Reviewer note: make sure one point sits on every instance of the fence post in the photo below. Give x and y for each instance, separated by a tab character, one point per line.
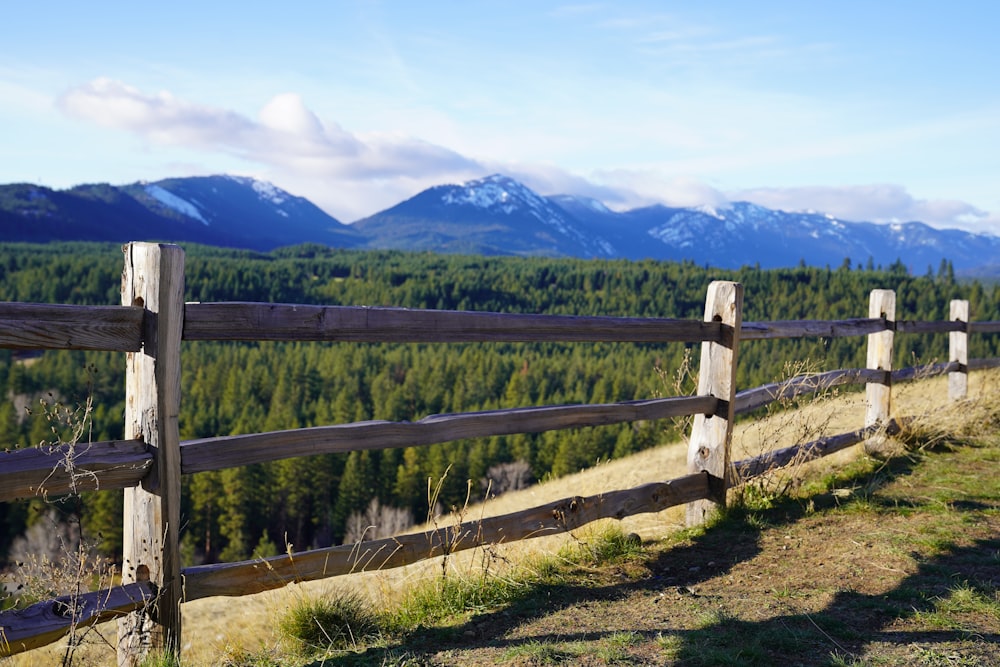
153	277
881	304
711	435
958	350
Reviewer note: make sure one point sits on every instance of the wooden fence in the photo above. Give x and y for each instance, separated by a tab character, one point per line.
148	463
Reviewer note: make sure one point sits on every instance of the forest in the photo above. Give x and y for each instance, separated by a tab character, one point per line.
232	388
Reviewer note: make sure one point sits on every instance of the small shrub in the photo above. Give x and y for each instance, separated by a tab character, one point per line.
336	620
600	545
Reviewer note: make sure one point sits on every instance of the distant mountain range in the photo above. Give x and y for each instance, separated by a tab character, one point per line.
494	215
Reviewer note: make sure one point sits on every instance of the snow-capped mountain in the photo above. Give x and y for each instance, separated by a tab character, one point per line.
746	234
215	210
492	215
497	215
256	214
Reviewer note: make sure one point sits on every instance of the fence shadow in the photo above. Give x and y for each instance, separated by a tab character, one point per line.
849	623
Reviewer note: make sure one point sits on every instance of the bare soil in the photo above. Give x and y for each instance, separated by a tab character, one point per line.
895	563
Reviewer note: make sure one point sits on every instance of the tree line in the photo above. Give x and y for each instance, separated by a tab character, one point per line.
232	388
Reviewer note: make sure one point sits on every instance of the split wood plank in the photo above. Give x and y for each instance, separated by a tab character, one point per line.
236	450
37	326
292	322
247	577
56	470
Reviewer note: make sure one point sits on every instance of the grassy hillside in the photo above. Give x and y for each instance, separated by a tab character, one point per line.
858	562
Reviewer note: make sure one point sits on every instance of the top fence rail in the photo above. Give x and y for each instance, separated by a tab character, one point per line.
32	326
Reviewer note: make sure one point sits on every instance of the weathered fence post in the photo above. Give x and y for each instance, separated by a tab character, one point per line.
881	304
153	277
958	350
708	449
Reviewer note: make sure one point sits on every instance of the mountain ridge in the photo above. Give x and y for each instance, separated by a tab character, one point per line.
495	215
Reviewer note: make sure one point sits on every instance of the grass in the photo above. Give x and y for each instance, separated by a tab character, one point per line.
858	566
874	562
337	620
458	597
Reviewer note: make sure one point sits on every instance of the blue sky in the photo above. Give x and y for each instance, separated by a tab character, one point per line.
865	110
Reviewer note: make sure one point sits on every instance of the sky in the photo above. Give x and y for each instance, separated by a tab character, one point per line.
880	111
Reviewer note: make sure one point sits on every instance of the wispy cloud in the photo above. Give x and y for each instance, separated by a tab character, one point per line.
287	142
285	133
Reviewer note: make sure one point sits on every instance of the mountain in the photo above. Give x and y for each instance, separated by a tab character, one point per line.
215	210
495	215
747	234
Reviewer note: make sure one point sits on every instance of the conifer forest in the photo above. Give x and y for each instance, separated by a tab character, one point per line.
231	388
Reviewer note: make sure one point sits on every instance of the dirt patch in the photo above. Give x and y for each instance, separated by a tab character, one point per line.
891	564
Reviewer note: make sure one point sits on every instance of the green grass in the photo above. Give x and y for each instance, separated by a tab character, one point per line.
458	596
602	544
336	620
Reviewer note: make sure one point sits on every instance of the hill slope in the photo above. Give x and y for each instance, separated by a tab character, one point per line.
884	563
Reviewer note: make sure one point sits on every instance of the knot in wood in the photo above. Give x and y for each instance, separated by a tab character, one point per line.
704	452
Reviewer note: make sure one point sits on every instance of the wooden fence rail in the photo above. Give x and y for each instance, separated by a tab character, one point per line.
148	464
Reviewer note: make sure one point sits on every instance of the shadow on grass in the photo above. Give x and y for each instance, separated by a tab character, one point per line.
851	622
854	621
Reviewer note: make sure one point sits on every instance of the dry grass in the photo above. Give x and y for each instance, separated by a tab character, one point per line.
213	624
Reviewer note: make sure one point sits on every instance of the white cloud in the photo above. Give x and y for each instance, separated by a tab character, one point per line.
353	175
286	139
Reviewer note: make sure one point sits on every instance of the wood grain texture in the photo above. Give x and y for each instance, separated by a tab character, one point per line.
807	328
749	400
36	471
922	372
231	451
289	322
560	516
711	434
958	351
45	622
154	278
36	326
881	304
747	469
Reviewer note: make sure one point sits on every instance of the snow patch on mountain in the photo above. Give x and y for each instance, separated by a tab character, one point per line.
270	192
172	201
710	210
502	194
265	191
493	192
